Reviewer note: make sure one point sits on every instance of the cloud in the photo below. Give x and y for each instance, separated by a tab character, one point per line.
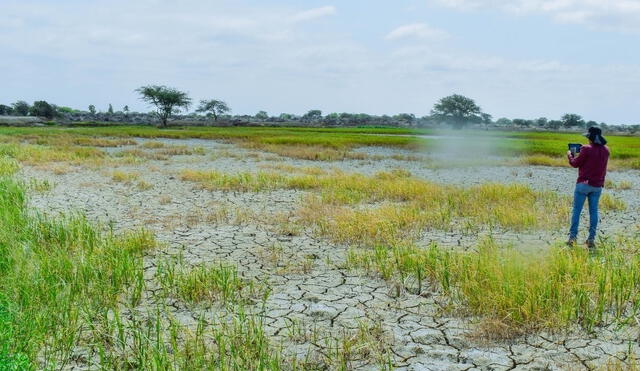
417	31
310	14
257	57
618	15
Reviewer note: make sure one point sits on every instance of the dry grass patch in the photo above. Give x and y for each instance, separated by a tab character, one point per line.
152	145
307	152
612	203
164	199
124	177
144	185
180	151
392	205
542	160
102	142
622	185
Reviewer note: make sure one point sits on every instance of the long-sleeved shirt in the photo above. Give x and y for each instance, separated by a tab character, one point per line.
592	164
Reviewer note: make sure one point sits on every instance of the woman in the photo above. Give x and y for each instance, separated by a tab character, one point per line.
592	169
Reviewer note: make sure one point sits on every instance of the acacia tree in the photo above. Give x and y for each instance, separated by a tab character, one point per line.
21	108
215	107
457	110
166	100
570	120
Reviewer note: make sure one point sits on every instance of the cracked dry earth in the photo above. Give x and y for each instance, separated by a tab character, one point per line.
311	291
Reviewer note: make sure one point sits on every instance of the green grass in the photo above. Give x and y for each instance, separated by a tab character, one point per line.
56	275
325	144
208	283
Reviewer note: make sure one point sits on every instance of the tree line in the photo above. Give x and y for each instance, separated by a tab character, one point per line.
455	110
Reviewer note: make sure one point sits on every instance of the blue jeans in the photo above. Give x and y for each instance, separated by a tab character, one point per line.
582	192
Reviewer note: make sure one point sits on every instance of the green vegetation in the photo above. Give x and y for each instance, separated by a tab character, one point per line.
58	276
64	285
517	292
534	148
213	283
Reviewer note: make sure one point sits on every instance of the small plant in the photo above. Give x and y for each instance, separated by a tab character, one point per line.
124	177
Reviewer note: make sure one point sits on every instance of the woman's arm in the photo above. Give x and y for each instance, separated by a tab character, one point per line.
580	160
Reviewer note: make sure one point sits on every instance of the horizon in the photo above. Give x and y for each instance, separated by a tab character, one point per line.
527	59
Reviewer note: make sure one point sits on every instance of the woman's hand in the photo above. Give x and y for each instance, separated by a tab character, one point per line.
569	153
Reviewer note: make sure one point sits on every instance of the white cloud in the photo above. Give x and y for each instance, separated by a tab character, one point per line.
310	14
621	15
417	31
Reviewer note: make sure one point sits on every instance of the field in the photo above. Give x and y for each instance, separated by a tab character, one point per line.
309	248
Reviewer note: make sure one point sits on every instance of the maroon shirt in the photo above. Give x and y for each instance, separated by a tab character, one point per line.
592	164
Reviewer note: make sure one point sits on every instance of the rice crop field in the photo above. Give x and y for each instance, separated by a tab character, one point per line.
311	249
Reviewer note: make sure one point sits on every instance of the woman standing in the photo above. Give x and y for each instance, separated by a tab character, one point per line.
592	169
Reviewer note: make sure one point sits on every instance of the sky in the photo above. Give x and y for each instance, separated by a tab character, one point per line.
515	58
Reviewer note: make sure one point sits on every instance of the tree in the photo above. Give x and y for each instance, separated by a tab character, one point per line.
110	110
166	100
92	109
403	118
521	123
312	116
125	109
570	120
486	118
542	122
5	110
21	108
457	110
503	121
262	116
214	107
43	109
286	117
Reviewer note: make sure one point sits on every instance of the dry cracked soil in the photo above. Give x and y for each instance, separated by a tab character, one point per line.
313	297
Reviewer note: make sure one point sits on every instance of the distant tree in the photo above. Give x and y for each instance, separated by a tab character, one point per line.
5	110
21	108
590	123
521	123
503	121
286	117
405	118
64	109
92	109
110	109
486	118
43	109
457	110
554	124
314	115
332	119
166	100
541	122
570	120
125	109
214	107
262	116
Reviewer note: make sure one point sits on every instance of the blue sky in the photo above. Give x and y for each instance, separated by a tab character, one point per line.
516	58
